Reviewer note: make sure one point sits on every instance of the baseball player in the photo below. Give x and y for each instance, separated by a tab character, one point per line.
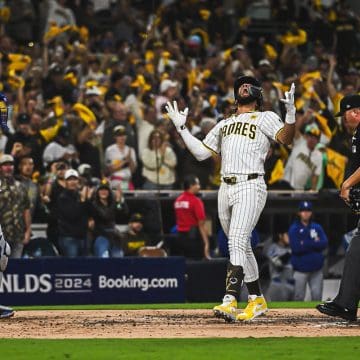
346	301
5	250
243	141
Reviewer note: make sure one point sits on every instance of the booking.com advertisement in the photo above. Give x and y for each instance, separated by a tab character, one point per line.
57	281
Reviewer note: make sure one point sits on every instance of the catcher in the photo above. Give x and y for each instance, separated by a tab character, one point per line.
5	250
346	301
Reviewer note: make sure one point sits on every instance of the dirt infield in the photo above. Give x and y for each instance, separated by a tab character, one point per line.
169	324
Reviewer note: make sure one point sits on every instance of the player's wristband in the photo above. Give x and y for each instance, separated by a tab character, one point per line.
290	118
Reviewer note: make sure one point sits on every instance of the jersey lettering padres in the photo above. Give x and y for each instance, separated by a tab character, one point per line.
243	141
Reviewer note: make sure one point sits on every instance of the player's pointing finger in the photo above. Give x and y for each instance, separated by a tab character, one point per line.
175	106
168	107
292	88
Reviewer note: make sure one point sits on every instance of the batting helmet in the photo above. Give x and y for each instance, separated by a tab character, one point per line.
255	89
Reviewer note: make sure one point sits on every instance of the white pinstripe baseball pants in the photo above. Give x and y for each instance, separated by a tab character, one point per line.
240	206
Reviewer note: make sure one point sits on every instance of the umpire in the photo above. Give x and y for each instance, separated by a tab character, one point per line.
346	301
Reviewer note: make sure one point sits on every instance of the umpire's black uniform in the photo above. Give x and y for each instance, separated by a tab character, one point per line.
346	301
349	292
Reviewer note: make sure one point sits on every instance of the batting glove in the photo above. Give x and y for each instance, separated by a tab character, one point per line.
177	117
289	105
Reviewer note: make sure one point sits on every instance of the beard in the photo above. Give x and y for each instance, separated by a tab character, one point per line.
246	100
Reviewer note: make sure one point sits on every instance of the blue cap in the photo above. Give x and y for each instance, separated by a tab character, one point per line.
305	206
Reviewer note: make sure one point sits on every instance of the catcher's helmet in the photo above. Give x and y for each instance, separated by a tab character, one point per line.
255	88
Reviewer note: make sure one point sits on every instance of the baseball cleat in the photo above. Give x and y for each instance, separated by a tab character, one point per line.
256	306
6	312
332	309
227	310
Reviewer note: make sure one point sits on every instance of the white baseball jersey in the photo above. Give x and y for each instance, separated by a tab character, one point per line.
302	165
244	141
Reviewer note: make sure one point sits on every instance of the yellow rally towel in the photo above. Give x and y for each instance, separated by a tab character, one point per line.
91	83
313	75
226	54
192	76
140	82
280	86
18	62
335	167
149	55
49	133
284	153
149	67
58	106
299	103
204	14
55	30
278	172
270	52
323	123
298	39
213	101
15	81
84	33
336	102
85	114
205	74
71	78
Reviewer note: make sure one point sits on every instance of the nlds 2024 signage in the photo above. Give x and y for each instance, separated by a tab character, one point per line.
52	281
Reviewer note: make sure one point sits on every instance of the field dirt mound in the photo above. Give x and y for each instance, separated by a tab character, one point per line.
58	324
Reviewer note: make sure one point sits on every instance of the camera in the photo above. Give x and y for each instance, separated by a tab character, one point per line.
85	172
61	166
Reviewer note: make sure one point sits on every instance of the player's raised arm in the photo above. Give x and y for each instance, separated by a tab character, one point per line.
287	133
178	118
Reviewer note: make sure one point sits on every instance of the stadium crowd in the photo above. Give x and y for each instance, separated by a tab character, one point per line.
88	81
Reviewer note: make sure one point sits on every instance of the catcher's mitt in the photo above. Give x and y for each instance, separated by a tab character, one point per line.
354	200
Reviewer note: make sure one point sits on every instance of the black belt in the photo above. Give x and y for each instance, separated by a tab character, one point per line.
231	180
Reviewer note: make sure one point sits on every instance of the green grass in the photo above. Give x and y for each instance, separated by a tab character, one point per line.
208	349
272	305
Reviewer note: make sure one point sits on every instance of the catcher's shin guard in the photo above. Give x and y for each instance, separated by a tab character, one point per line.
5	251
